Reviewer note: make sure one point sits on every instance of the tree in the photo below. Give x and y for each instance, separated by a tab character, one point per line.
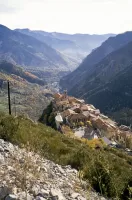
89	123
129	143
81	123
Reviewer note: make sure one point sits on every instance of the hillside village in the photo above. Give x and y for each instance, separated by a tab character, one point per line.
87	122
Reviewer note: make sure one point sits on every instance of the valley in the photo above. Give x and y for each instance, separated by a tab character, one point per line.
35	61
88	122
65	100
75	46
104	78
47	53
51	62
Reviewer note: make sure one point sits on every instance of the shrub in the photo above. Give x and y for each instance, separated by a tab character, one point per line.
48	116
8	127
81	123
127	193
108	171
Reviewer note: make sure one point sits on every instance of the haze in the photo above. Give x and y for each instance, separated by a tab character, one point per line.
69	16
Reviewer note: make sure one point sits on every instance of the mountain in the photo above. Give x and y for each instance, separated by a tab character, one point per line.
31	93
27	51
77	78
54	189
10	68
75	46
109	88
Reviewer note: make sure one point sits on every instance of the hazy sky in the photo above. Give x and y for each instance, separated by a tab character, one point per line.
70	16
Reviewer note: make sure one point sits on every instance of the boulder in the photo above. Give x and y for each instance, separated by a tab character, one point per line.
56	194
4	191
75	195
11	197
24	195
2	159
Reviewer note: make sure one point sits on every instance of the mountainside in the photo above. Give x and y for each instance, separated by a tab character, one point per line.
39	168
75	46
9	68
40	182
88	66
109	88
29	94
116	94
27	51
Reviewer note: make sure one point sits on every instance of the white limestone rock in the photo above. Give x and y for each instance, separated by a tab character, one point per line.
39	177
2	159
57	194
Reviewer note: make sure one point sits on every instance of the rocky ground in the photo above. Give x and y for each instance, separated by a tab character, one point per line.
24	175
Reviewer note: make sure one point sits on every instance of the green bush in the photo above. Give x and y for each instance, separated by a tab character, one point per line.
107	170
48	116
8	127
127	193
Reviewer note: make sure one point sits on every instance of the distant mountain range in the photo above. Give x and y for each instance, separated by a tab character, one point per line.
75	46
43	53
78	77
27	51
104	77
110	86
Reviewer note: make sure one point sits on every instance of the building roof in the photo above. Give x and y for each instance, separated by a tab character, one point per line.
63	102
90	106
79	100
103	116
125	134
75	106
77	116
71	98
106	140
86	113
57	95
70	111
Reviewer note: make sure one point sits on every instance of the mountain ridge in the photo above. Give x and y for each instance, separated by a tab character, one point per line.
87	67
9	68
109	87
25	50
75	45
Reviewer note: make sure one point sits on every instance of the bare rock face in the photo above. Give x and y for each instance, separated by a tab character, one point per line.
25	175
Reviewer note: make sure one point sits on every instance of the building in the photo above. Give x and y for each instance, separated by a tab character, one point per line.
58	120
62	105
77	117
57	96
124	138
91	133
67	113
106	141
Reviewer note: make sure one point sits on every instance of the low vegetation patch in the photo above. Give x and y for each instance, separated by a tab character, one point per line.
109	172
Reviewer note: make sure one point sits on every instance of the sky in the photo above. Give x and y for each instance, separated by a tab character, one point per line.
68	16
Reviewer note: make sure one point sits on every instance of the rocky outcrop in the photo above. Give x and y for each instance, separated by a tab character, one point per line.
25	175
